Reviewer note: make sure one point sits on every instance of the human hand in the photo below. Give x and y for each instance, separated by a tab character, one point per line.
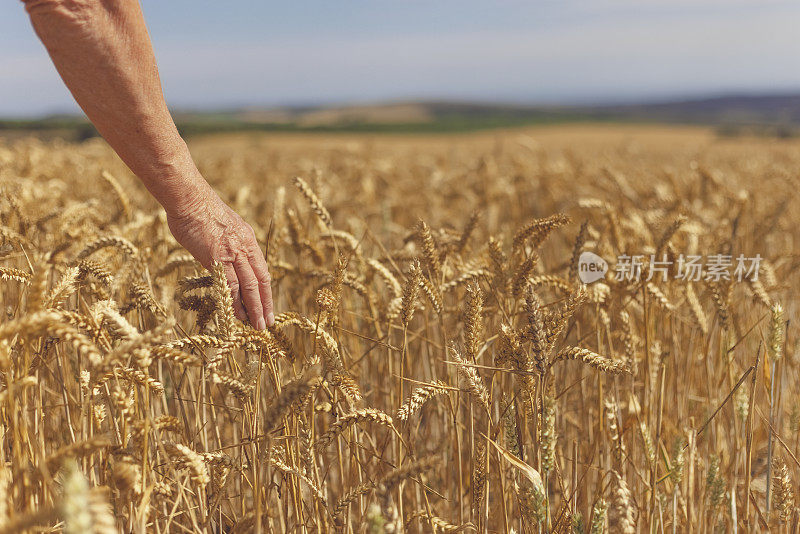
211	231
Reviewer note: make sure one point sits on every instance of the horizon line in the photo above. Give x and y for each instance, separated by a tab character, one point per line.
574	103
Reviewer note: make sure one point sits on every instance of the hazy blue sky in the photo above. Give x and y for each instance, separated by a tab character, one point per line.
215	54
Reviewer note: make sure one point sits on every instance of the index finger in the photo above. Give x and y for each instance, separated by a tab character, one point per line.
259	265
251	295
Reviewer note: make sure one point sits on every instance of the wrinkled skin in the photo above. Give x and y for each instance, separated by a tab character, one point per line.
214	232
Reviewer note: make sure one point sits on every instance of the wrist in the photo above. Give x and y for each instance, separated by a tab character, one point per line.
187	196
178	186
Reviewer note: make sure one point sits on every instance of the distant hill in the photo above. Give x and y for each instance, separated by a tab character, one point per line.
751	109
772	114
732	109
421	116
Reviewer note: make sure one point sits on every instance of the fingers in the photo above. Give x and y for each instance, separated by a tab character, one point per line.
233	284
259	266
251	294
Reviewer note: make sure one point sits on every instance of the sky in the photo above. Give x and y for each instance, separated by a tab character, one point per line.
215	55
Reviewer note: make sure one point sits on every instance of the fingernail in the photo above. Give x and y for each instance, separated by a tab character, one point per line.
260	324
270	318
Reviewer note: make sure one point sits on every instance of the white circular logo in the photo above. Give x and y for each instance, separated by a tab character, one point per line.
591	267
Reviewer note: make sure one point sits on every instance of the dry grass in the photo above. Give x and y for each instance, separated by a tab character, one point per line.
436	364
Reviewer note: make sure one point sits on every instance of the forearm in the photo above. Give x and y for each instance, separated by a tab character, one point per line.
103	53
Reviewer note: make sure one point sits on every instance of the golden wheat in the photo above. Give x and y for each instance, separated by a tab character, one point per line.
436	363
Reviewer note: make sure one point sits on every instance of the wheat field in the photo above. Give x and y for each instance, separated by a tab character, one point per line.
437	365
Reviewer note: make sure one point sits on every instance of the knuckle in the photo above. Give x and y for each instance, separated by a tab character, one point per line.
226	253
253	250
250	285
